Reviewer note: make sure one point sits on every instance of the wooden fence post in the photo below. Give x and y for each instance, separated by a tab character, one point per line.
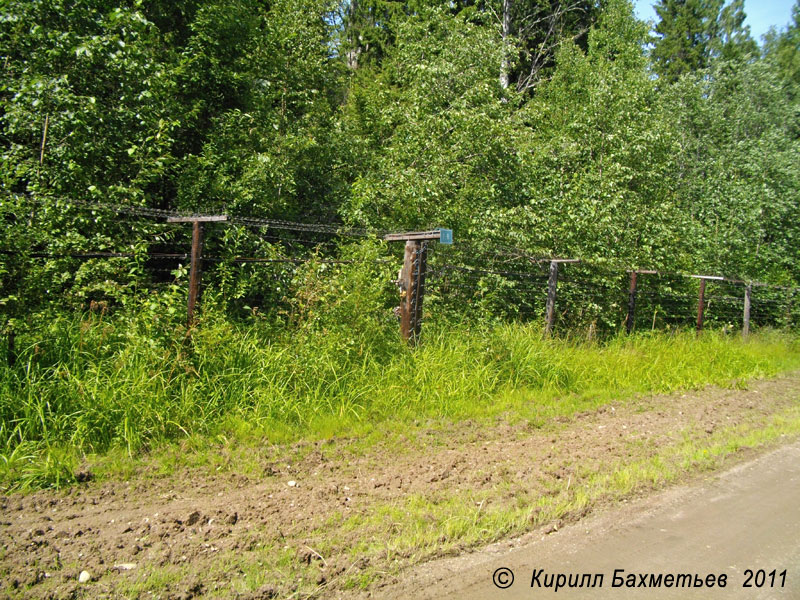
411	279
406	283
630	319
550	312
196	257
701	305
748	289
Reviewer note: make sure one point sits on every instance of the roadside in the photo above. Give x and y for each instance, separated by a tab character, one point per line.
738	530
322	518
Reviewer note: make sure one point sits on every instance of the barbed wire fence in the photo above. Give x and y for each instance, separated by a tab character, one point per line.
570	295
254	264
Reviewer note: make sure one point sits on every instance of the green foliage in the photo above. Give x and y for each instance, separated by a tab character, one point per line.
84	106
784	49
367	30
345	302
95	383
444	136
392	115
599	153
737	170
693	33
266	148
542	134
733	41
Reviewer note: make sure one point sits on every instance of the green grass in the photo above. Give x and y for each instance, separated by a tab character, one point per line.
393	535
418	528
92	386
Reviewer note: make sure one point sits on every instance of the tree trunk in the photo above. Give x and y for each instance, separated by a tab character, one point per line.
505	65
354	50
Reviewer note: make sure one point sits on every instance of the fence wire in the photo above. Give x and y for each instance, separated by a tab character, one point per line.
268	266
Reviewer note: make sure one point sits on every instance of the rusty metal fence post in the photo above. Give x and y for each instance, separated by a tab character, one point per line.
420	272
701	305
194	272
630	319
550	308
196	258
11	353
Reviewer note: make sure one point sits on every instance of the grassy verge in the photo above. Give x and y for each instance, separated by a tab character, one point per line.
352	551
424	527
93	386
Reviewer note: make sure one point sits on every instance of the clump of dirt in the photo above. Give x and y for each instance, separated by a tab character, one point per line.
199	530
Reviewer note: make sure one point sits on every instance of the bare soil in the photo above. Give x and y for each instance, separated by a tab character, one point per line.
189	534
730	523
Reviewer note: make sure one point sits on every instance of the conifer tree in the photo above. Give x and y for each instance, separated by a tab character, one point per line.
784	47
693	33
686	29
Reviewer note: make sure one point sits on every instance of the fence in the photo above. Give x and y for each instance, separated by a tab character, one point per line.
253	262
573	294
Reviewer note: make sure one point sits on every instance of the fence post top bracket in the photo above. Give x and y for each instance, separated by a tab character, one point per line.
198	219
441	235
712	277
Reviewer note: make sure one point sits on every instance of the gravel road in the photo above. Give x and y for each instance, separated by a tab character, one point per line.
746	518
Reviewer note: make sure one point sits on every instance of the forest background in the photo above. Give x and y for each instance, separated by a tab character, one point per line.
539	129
563	129
560	129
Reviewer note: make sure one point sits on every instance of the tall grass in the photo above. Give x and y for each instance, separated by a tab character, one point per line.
88	384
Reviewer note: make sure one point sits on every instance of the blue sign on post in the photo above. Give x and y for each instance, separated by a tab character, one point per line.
445	235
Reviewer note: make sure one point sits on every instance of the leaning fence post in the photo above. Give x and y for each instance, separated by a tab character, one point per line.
701	305
630	319
748	289
196	257
550	311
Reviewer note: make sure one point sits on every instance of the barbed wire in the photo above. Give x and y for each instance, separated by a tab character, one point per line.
135	210
338	230
144	211
504	279
500	252
92	255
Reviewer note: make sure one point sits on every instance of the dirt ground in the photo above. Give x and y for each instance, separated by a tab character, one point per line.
732	524
188	534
